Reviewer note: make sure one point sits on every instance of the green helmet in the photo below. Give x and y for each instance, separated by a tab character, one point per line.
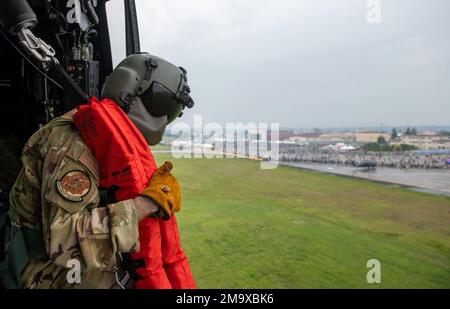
160	85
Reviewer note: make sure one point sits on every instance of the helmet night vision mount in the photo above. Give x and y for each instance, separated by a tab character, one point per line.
160	85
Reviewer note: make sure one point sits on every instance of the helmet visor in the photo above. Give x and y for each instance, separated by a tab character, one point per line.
160	101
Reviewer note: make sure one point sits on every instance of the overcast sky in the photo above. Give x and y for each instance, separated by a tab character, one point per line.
307	63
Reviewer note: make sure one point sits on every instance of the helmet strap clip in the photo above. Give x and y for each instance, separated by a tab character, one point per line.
127	99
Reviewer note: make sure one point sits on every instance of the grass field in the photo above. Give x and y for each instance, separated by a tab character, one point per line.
243	227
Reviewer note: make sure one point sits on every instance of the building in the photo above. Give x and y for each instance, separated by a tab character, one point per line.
338	136
371	136
422	141
303	138
284	135
427	133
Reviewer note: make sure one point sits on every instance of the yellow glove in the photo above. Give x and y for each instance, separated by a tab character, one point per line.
164	190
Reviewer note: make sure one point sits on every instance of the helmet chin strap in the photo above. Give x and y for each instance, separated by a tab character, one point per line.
152	128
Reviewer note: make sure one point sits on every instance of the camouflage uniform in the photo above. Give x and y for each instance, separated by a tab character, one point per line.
57	193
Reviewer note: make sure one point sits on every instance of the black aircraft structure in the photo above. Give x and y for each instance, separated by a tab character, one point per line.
54	55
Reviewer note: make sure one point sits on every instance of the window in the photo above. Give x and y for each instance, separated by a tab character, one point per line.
115	10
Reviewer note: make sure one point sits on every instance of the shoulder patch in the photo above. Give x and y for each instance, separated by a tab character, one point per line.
74	185
88	160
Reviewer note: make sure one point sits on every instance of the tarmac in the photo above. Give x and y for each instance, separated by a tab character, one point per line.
435	181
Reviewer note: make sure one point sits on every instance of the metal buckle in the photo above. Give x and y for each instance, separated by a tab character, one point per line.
121	283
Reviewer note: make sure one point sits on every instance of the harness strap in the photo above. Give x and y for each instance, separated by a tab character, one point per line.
125	270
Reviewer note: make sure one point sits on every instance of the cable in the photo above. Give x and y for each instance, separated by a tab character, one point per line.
57	70
28	60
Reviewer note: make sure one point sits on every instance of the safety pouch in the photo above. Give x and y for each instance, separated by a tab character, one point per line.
18	245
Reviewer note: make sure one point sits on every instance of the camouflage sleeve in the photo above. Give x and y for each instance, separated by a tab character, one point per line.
25	196
24	200
75	226
124	226
93	234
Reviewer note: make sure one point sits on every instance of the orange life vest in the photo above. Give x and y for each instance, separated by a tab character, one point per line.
125	161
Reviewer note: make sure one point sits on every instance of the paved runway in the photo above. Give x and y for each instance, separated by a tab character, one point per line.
432	181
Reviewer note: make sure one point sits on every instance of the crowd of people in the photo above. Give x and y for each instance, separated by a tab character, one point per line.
407	159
